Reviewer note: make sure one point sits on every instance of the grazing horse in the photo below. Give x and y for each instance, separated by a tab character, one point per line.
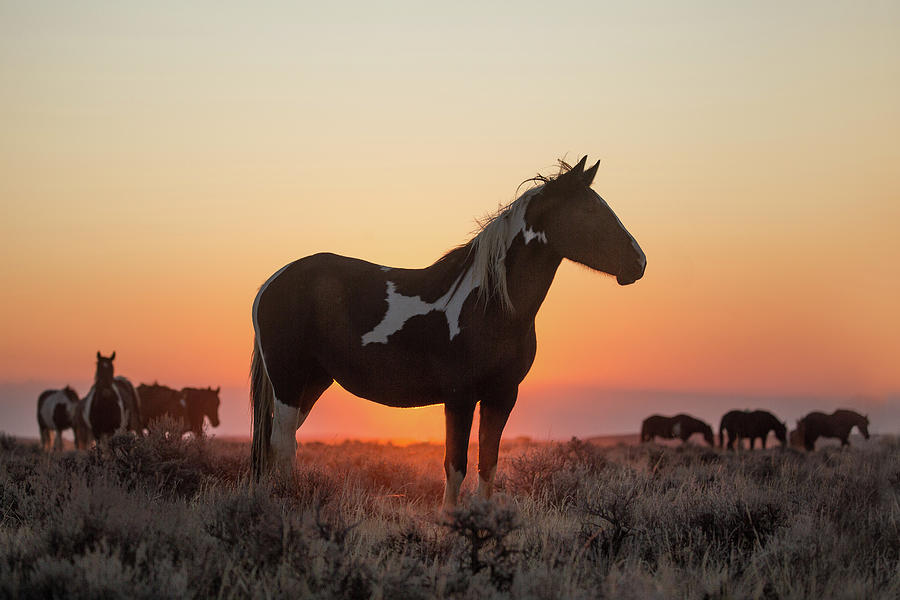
159	401
455	333
742	424
836	425
111	405
680	426
55	409
201	402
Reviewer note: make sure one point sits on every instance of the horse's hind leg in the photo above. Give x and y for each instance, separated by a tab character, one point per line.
58	441
45	438
295	395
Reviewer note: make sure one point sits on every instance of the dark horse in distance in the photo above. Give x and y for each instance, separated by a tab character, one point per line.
112	405
55	412
836	425
455	333
189	405
680	426
749	424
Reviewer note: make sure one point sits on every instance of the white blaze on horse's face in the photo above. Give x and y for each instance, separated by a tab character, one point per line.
505	228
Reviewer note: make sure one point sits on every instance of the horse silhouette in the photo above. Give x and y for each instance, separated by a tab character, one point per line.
111	405
836	425
189	405
200	403
740	424
680	426
456	333
158	401
55	413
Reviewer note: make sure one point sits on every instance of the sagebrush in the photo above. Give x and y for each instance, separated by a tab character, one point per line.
163	516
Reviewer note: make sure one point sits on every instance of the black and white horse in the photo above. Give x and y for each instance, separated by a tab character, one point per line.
55	411
456	333
112	405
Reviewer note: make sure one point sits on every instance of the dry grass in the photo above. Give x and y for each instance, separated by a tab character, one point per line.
166	517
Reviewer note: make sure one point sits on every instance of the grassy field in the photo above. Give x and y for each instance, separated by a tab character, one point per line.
172	518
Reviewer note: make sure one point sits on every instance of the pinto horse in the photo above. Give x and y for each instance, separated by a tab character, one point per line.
748	424
680	426
55	410
455	333
836	425
111	405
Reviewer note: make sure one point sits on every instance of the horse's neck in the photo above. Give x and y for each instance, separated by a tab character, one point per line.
530	269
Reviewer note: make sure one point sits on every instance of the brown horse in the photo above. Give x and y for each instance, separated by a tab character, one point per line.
158	401
680	426
836	425
456	333
200	403
55	410
742	424
190	405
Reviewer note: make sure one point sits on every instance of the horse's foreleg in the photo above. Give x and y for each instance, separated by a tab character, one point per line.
493	416
458	419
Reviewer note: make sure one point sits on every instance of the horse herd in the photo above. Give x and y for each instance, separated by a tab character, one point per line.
113	404
753	424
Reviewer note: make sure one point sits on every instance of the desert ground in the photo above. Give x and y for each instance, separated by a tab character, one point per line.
169	517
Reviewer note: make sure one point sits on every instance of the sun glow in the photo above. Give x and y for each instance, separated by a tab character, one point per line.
155	171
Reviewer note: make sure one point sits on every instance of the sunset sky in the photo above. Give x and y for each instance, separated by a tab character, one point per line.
158	161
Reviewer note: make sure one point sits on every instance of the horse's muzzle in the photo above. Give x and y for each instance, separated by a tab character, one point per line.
629	275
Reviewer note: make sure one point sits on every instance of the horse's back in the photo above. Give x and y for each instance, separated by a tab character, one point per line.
733	418
657	425
314	295
158	401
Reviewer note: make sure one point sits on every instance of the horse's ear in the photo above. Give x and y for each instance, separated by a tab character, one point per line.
588	176
98	355
218	389
578	170
113	357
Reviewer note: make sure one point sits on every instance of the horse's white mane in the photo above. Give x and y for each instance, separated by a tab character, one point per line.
488	248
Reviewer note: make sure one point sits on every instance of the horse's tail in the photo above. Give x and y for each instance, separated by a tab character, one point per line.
722	433
262	402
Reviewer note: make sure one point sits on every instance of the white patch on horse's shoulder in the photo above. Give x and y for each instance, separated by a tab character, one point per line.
402	308
530	235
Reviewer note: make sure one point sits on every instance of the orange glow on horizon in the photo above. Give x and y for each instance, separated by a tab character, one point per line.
153	174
